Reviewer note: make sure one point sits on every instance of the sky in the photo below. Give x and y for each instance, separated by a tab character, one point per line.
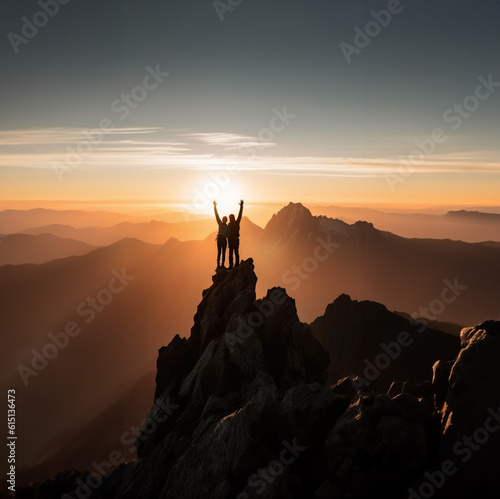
319	101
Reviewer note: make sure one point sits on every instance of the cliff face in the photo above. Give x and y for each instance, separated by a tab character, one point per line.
220	393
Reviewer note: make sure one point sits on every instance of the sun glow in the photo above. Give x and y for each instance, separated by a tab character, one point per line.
227	197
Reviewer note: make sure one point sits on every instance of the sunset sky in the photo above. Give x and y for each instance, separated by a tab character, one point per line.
266	94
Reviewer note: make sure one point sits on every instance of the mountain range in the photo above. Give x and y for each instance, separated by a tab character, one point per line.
473	225
338	273
16	249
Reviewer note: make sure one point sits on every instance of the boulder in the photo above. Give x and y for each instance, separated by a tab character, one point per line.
471	415
376	448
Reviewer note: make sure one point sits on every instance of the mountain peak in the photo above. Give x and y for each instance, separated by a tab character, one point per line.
352	330
294	221
232	290
363	225
294	211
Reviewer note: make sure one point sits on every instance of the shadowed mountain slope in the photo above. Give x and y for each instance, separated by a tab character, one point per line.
16	249
365	339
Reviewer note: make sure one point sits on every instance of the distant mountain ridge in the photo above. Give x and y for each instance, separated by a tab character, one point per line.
478	215
16	249
153	232
12	221
367	263
456	224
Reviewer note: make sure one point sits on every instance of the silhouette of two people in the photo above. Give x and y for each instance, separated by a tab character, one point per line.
229	234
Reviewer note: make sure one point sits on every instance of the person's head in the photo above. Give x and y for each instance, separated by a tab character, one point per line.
224	220
231	218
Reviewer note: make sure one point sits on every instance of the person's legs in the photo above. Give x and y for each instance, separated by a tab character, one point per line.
237	251
231	251
219	252
223	251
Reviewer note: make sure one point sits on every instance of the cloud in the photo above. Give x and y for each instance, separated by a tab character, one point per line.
230	141
159	148
60	135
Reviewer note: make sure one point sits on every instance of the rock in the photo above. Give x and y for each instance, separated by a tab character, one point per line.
255	374
440	374
471	414
376	447
357	334
396	388
291	353
308	412
174	362
346	387
232	291
420	390
241	408
218	463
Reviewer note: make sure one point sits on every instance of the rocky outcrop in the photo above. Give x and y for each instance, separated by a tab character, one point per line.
225	397
377	447
471	415
365	339
243	409
252	417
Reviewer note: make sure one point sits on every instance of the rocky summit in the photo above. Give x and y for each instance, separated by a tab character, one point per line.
242	410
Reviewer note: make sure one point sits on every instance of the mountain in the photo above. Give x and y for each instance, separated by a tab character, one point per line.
463	225
16	249
119	340
122	323
112	429
12	221
365	339
444	327
153	232
492	244
315	258
319	258
241	410
477	216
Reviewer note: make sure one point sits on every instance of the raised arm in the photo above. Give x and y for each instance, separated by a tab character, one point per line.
217	213
241	211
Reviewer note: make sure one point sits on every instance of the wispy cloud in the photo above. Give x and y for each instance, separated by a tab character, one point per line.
159	148
60	135
230	141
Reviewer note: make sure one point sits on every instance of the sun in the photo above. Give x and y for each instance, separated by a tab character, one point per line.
228	201
226	194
